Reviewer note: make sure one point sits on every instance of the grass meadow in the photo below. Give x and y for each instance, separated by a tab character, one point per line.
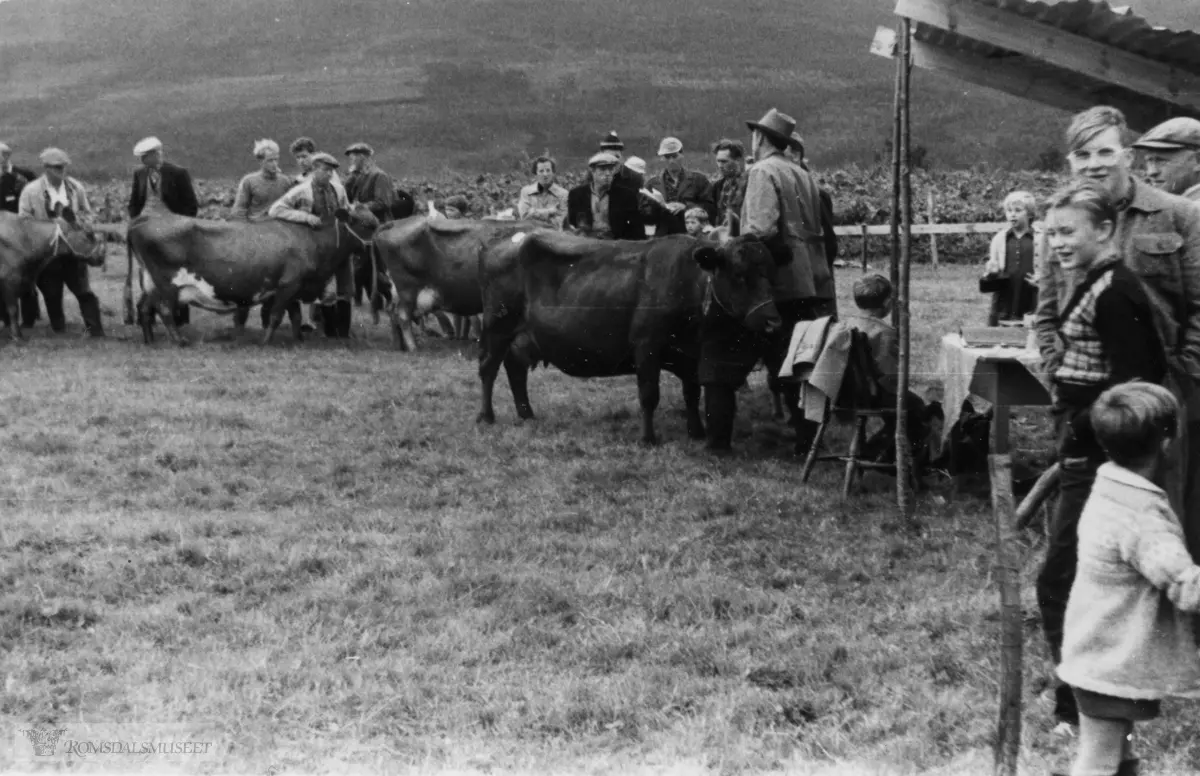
316	550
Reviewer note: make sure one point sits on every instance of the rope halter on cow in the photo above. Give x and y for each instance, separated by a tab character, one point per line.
60	238
710	297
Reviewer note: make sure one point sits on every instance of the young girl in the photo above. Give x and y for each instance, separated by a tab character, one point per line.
1126	646
1106	337
1011	262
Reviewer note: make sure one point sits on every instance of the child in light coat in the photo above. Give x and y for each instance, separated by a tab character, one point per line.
1126	645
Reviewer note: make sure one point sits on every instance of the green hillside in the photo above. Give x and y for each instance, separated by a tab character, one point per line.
475	84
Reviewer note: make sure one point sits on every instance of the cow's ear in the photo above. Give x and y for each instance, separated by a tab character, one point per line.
708	257
68	215
341	214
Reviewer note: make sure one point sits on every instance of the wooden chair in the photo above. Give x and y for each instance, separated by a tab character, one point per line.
859	396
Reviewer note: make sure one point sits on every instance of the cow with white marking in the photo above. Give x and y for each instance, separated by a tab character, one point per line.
221	265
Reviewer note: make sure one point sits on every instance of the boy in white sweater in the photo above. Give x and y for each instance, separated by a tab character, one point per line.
1125	644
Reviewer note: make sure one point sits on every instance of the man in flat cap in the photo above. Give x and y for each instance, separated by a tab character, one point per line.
600	208
46	198
12	180
374	188
782	206
313	202
1171	152
256	192
160	184
676	190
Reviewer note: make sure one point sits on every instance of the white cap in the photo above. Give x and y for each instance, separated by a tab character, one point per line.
4	149
146	145
637	164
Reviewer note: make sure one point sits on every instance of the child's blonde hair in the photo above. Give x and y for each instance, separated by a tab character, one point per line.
1131	420
698	213
1025	200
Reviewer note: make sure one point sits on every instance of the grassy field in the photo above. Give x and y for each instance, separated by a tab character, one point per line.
317	551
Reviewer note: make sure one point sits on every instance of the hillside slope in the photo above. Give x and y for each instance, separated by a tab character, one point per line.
476	84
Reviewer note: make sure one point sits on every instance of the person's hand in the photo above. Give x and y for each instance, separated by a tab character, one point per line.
655	195
1032	279
675	208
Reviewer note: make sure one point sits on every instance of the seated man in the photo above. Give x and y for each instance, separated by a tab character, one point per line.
873	297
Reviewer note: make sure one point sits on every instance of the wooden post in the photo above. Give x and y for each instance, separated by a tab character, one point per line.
894	268
904	491
1008	739
933	253
864	247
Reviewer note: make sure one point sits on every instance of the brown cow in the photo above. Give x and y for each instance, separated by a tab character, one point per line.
29	245
221	265
599	308
434	265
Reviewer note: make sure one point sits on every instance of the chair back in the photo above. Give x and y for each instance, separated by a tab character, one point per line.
860	385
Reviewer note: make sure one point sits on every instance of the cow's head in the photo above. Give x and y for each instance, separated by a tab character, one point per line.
361	223
740	272
76	237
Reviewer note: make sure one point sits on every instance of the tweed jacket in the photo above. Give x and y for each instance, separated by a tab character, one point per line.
374	189
35	198
1122	635
783	200
11	183
1158	235
175	190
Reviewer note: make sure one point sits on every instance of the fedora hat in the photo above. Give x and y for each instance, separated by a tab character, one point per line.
778	125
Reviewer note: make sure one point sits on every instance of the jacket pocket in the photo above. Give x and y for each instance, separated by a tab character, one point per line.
1156	260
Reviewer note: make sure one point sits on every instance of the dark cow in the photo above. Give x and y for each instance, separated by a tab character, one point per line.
403	207
29	245
219	265
597	308
434	265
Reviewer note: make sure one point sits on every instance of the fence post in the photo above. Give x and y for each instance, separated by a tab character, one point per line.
864	247
933	251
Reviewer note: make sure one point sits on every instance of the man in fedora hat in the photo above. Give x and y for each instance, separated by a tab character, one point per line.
625	176
46	198
12	180
1171	152
782	206
676	190
600	208
160	184
312	202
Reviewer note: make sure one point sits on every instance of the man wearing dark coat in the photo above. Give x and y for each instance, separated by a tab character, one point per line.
374	188
601	208
12	180
158	183
676	190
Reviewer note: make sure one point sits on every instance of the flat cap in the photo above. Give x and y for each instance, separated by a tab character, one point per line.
637	164
603	159
670	145
359	148
1171	135
146	145
612	141
54	157
4	149
326	159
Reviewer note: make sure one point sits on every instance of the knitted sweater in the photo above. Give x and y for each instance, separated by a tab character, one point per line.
256	193
1122	636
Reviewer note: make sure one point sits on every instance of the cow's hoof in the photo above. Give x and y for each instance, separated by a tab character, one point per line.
526	414
650	441
486	417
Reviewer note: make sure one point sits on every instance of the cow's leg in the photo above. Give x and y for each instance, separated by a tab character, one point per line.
12	304
146	306
518	381
400	312
51	283
491	354
296	317
649	369
691	407
284	301
169	310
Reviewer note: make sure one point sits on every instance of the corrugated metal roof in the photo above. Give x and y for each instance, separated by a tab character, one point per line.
1099	22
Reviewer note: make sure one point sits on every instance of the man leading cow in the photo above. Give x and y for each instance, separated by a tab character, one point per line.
160	184
12	180
47	198
373	187
310	201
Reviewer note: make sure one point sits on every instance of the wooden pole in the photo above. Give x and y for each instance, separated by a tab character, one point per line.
904	491
1008	739
894	267
864	247
933	253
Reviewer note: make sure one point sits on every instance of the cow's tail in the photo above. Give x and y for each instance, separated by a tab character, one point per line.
127	296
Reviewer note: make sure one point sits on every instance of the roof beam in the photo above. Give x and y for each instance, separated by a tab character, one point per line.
1049	44
1012	76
